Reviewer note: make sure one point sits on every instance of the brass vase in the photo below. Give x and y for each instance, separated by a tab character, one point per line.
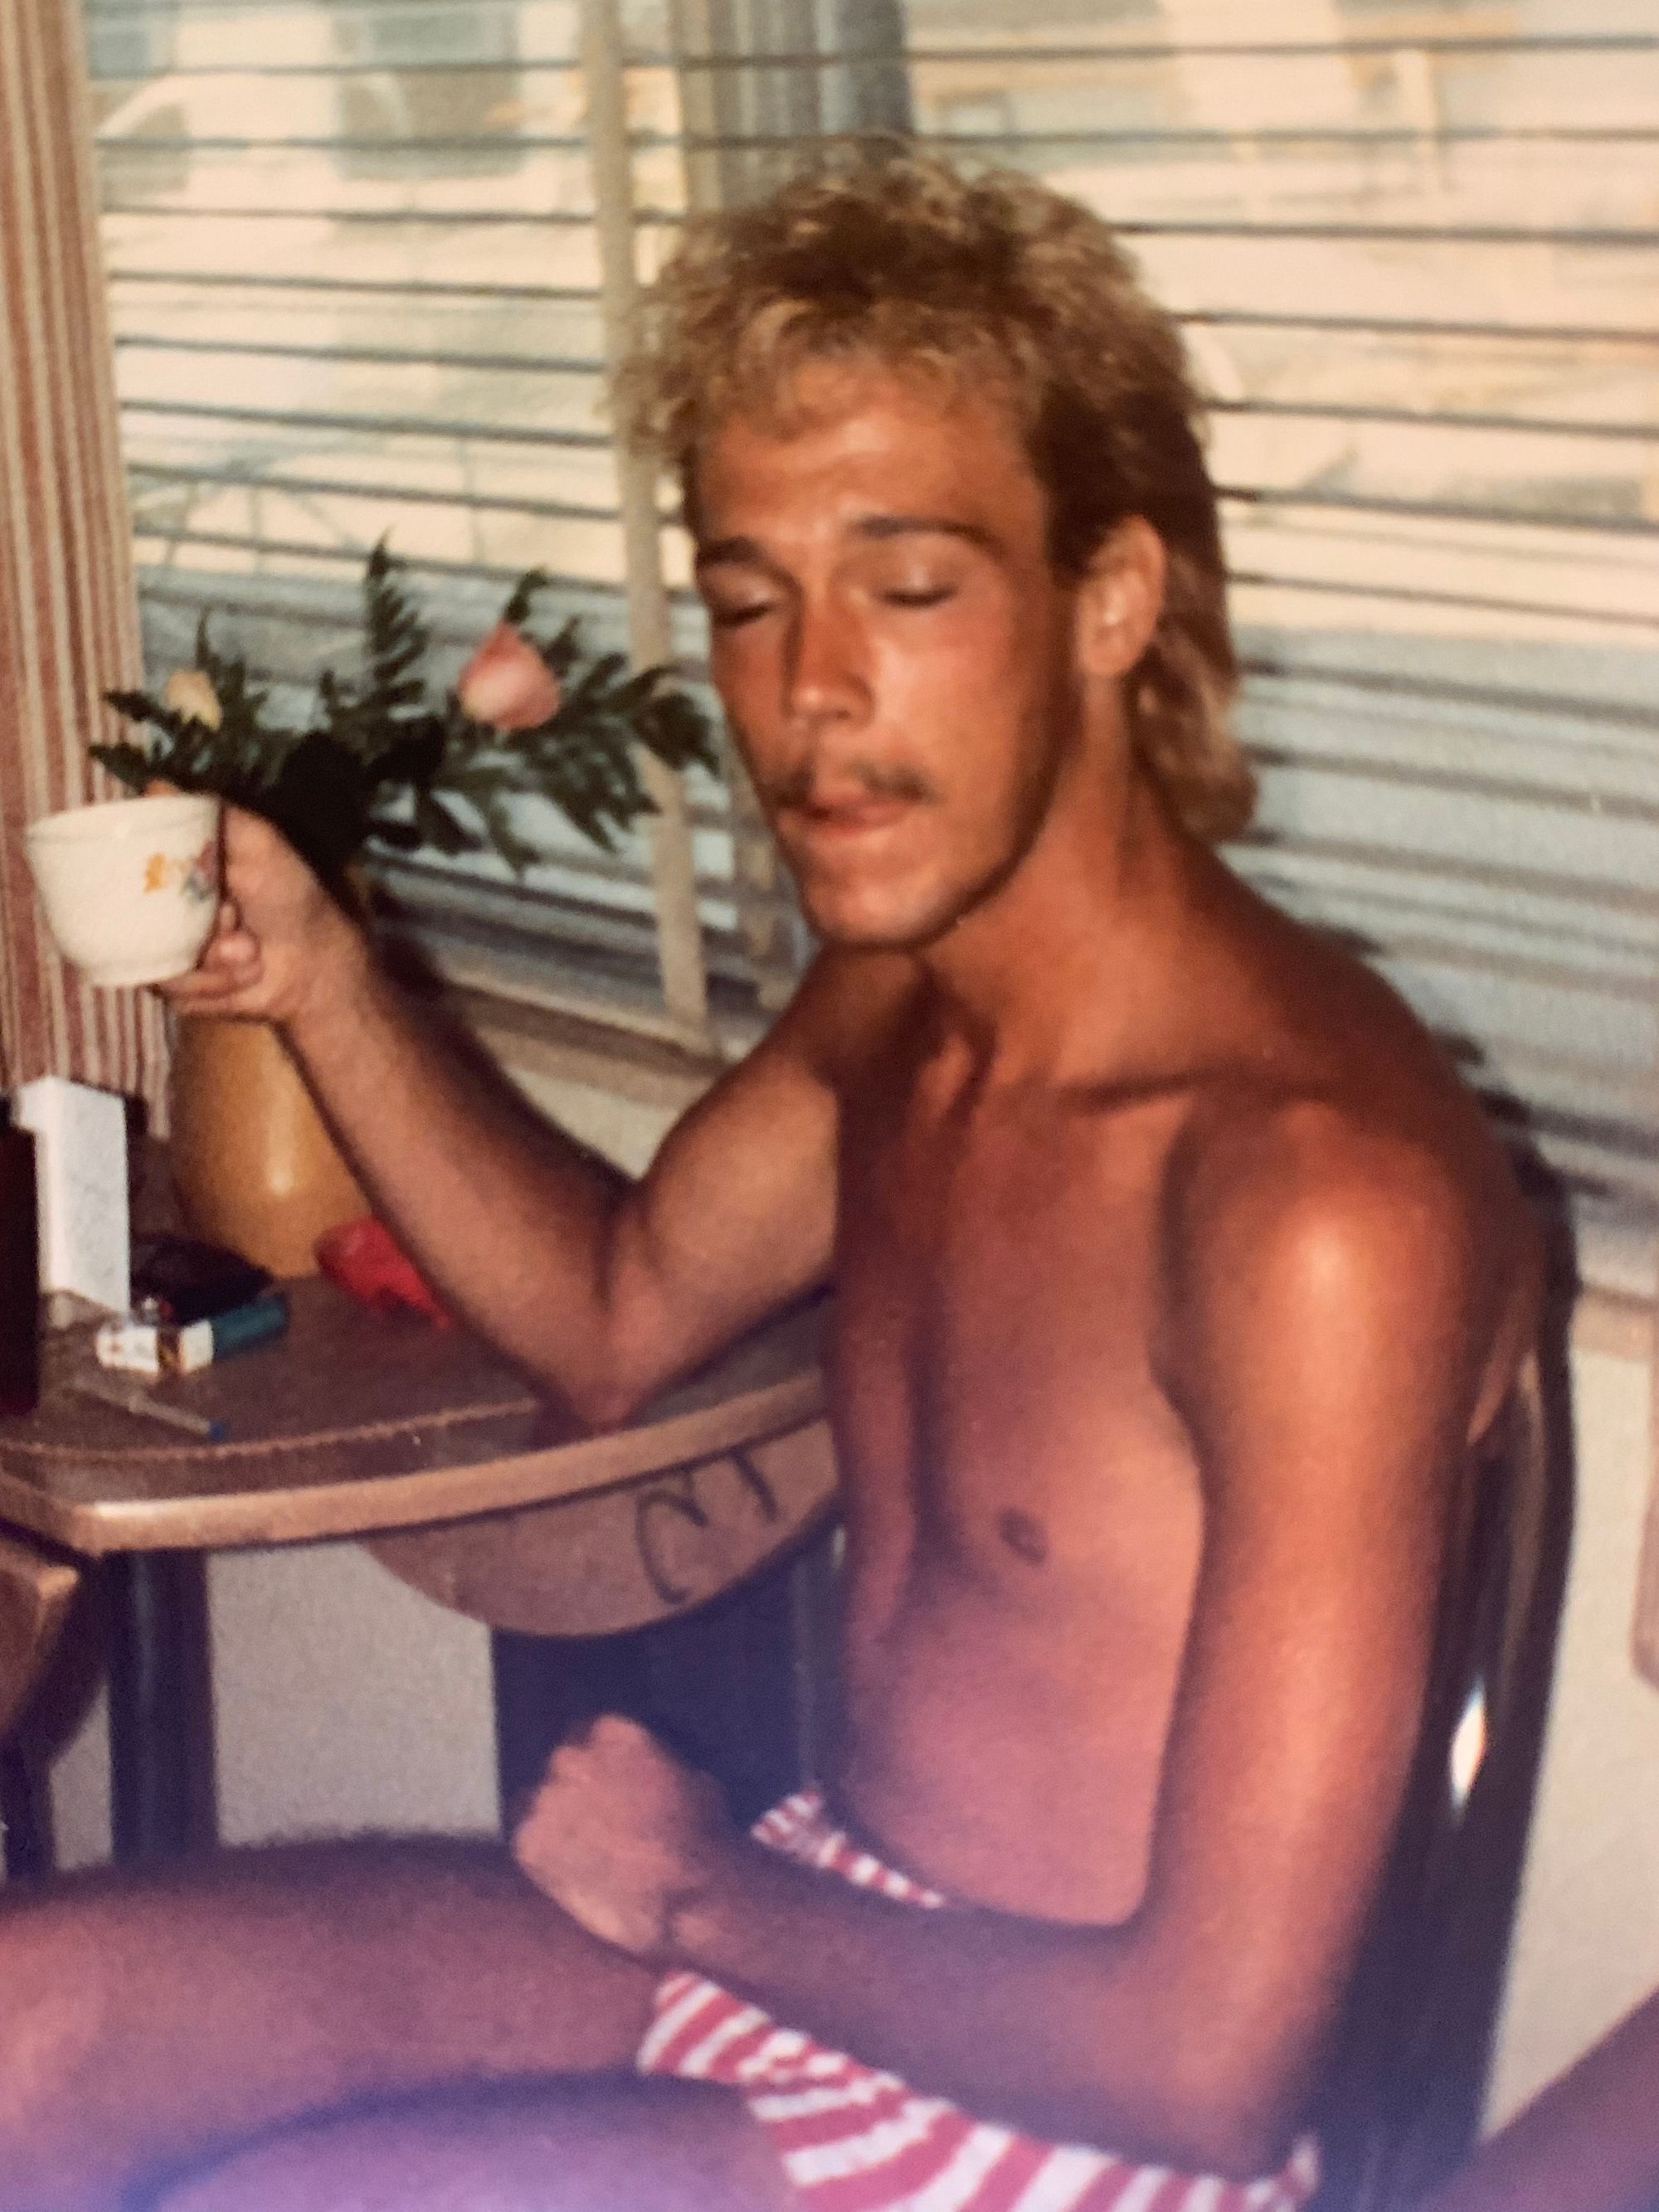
254	1167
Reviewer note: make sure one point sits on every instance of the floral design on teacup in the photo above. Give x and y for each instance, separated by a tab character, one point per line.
196	877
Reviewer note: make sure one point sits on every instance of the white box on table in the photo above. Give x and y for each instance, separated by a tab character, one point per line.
81	1166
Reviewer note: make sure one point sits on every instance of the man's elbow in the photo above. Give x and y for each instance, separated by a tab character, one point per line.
603	1397
1207	2111
1252	2105
1240	2139
601	1400
605	1372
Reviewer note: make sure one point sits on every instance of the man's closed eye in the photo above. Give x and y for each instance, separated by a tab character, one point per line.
733	618
931	595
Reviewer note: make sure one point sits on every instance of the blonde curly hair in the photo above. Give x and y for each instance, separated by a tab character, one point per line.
989	279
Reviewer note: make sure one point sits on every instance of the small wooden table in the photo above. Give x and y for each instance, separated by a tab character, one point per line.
426	1444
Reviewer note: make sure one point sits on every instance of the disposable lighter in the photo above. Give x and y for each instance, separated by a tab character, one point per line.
155	1348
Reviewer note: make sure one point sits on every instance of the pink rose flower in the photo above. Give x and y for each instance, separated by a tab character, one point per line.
507	683
190	692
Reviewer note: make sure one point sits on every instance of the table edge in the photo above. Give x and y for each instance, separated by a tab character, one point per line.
380	1503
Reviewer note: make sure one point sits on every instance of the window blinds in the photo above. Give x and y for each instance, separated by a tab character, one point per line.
355	268
1414	251
1414	247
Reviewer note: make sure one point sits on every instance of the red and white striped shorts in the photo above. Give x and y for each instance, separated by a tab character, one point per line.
853	2140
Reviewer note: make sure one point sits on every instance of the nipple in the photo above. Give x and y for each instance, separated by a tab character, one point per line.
1026	1537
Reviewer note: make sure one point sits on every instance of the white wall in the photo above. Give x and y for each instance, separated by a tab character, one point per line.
1587	1941
345	1701
342	1701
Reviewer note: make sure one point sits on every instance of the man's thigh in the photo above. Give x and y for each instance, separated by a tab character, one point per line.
533	2146
150	2020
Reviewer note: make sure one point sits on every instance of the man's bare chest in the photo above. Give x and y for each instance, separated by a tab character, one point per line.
1001	1307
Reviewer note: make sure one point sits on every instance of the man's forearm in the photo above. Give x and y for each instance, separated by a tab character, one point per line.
1063	2032
510	1219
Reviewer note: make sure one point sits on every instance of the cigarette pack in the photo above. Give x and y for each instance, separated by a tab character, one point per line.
155	1348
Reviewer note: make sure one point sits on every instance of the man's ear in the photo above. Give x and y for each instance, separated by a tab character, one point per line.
1120	598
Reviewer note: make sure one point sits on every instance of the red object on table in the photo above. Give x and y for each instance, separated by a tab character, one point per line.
364	1260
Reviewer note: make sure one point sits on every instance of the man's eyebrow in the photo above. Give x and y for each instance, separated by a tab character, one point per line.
927	525
717	549
880	527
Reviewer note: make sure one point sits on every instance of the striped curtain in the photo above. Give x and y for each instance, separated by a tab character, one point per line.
68	624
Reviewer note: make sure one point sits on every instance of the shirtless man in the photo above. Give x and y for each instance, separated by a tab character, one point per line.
1174	1272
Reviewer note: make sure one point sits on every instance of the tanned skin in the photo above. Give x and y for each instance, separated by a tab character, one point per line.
1175	1276
1587	2142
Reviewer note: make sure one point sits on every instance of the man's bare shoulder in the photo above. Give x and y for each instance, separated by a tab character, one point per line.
1370	1231
1332	1174
1263	1167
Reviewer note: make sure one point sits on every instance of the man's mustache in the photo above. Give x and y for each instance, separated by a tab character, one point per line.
796	789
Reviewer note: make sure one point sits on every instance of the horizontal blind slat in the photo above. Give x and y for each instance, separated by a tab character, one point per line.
1419	304
275	422
1437	430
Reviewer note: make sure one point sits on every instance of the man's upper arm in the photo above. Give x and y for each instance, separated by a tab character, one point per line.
1324	1349
736	1216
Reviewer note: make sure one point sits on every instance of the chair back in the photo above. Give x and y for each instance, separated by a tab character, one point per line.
1401	2103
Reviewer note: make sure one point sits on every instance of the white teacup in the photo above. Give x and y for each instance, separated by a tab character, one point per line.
129	886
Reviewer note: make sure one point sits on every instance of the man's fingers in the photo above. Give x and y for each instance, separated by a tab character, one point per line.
231	952
250	832
231	965
536	1839
616	1728
206	994
601	1733
235	951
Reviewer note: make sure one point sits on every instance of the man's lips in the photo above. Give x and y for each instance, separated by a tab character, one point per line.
833	820
853	816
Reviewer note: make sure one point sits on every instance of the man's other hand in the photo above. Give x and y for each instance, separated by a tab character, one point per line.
279	940
623	1837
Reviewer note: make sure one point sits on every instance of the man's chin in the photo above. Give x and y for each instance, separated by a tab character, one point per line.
893	911
857	925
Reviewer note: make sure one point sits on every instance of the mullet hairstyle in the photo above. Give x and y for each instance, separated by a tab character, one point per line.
990	280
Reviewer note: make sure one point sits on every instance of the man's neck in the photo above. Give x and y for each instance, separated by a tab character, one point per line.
1053	978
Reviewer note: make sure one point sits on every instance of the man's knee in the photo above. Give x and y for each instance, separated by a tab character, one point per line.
50	2028
524	2147
143	2021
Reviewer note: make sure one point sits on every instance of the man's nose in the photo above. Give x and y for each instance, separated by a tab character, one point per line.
825	678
